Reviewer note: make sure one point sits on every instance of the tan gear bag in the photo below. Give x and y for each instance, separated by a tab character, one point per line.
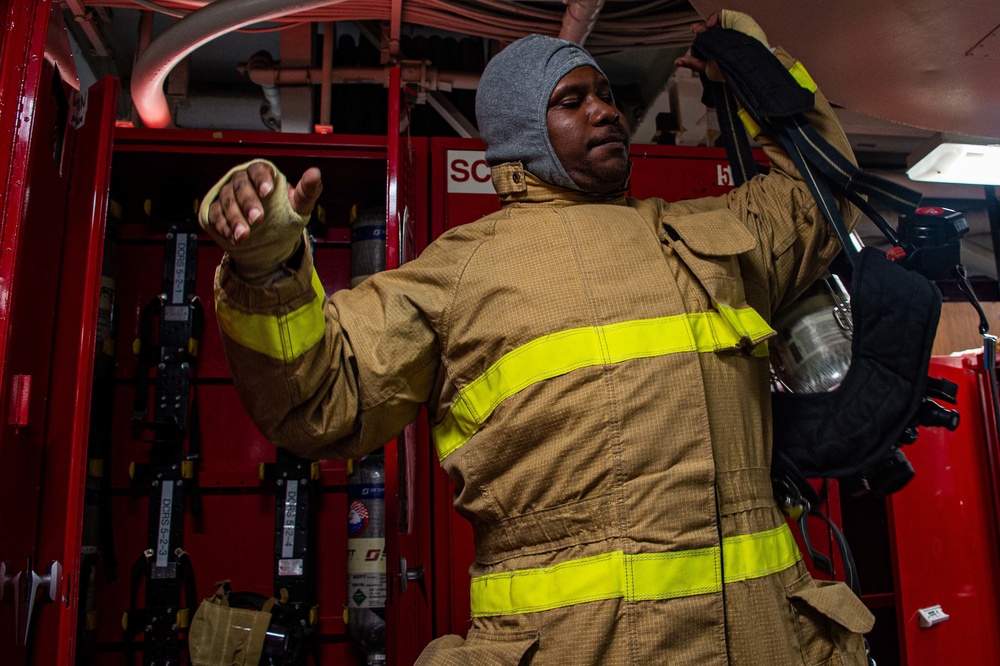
224	636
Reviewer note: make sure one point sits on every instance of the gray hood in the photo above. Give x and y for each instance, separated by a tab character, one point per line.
513	100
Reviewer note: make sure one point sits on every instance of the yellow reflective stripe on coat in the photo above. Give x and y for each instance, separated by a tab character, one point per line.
748	325
560	353
638	577
285	337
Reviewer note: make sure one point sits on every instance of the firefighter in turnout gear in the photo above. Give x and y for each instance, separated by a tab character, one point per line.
595	368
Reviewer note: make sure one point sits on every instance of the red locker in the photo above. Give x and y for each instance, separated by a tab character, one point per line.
56	197
945	531
233	538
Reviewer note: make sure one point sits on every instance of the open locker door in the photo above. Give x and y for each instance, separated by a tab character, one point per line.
53	226
21	83
69	397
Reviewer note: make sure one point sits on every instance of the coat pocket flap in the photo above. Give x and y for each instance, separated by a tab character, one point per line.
836	601
716	233
480	647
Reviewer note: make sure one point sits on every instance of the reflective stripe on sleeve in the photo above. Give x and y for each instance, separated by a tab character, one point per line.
799	73
560	353
638	577
284	337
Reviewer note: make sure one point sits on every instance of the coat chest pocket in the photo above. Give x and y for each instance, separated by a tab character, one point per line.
708	244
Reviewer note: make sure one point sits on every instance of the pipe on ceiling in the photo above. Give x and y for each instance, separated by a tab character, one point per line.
263	60
579	19
58	50
199	27
411	71
324	95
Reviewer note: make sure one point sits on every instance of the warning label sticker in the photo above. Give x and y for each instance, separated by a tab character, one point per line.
367	590
366	573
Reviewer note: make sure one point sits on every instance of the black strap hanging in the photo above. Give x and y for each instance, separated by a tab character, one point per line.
839	433
776	102
170	331
297	483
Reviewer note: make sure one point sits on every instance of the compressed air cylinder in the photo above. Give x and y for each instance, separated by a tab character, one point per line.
367	243
812	352
366	574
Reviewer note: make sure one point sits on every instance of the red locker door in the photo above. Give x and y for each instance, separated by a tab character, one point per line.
408	616
20	81
944	532
52	238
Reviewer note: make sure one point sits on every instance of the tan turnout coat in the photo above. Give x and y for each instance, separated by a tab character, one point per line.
585	408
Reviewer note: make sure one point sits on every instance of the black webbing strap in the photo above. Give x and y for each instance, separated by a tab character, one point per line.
159	623
194	453
799	500
741	160
146	353
822	193
135	618
772	98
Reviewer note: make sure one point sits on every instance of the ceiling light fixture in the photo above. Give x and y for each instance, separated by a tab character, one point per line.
953	158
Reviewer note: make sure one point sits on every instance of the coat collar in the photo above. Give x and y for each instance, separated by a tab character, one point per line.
516	185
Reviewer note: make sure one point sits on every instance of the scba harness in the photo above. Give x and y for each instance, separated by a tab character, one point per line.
848	433
852	433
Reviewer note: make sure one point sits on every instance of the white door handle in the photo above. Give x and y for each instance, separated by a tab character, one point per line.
48	583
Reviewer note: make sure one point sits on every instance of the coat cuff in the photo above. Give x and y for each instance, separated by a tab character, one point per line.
289	287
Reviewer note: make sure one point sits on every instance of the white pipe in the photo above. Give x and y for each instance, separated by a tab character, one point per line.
197	28
579	19
86	23
263	60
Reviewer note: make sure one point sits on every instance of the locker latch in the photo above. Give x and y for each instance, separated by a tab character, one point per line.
20	400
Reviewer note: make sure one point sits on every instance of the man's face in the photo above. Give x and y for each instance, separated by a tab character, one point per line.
587	131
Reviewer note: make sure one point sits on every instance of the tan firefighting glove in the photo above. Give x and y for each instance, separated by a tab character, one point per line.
270	241
740	22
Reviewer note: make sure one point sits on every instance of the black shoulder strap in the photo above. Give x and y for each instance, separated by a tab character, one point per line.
776	102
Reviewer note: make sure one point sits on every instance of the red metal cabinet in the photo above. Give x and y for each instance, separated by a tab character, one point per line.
944	530
52	225
171	168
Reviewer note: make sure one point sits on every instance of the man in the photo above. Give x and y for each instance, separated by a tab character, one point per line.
596	371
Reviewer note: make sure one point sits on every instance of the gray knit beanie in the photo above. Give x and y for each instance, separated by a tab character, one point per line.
513	99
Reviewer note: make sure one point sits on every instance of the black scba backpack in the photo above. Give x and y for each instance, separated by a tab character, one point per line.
854	432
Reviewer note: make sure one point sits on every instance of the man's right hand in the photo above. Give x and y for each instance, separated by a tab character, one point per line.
257	217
